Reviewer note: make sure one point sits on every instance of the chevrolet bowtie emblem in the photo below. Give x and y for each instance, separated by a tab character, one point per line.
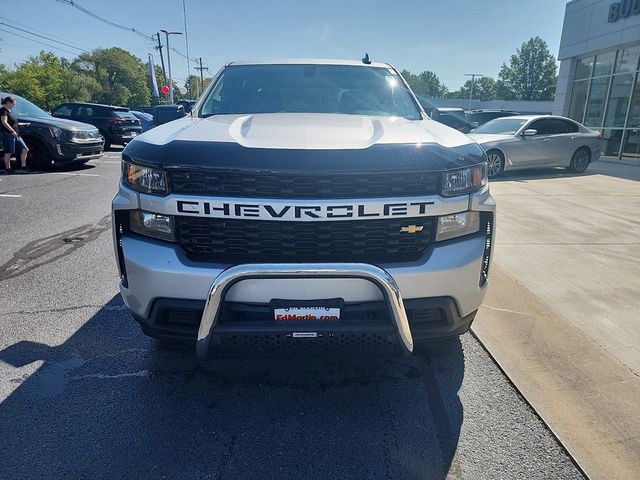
411	229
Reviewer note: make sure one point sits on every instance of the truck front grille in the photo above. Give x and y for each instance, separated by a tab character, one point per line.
316	186
253	241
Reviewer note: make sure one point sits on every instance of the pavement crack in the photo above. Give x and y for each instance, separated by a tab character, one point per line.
65	309
50	249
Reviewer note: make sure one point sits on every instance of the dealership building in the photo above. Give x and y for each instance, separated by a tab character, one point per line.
599	77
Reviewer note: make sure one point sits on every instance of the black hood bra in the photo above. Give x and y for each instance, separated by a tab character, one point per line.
393	157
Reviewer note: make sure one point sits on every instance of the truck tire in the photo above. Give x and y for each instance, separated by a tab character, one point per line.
580	160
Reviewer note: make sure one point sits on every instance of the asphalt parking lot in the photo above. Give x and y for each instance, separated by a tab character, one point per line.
85	395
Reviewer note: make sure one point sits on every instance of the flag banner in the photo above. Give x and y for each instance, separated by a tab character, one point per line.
154	83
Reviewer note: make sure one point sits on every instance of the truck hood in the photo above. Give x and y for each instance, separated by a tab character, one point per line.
292	141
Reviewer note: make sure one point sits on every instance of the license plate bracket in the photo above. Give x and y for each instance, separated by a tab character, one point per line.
305	310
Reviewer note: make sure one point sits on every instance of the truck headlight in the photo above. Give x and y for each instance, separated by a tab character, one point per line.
152	225
144	179
457	225
465	180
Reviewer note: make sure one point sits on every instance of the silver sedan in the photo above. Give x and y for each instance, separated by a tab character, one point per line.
529	141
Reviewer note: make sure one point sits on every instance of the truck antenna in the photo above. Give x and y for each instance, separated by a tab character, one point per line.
366	60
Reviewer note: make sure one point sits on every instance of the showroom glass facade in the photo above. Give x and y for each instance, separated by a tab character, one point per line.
605	95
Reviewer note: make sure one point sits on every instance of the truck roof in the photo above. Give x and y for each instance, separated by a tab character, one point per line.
308	61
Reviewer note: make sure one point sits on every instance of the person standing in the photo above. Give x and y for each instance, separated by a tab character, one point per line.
11	140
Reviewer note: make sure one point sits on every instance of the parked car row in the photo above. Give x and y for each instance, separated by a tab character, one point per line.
54	140
513	141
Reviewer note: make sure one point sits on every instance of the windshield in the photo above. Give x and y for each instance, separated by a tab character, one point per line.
24	108
501	126
356	90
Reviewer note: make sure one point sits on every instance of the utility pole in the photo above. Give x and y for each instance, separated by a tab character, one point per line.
159	48
167	33
473	78
201	68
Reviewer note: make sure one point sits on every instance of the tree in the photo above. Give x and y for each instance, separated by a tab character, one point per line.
121	76
39	78
426	84
78	87
531	73
484	88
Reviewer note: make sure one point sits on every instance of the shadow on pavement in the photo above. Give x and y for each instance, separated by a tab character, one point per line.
538	174
108	403
618	169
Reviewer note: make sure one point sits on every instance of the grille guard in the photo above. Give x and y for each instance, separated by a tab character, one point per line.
227	278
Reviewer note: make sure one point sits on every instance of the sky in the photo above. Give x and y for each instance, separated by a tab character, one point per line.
449	37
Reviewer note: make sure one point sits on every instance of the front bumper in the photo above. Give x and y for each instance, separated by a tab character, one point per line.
78	152
160	278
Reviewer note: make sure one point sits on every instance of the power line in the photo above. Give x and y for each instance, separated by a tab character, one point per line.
101	62
38	41
151	38
42	36
105	20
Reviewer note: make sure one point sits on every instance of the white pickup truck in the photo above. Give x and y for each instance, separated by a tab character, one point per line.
304	202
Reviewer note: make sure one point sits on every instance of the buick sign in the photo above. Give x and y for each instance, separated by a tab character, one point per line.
623	9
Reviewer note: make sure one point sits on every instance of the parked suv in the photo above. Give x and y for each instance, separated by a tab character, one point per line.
117	125
304	202
54	140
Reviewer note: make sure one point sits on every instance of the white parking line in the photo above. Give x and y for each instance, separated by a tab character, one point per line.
74	174
10	196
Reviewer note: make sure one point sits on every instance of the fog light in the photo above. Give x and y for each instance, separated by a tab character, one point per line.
457	225
152	225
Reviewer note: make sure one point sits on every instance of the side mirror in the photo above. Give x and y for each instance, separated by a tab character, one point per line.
530	132
167	113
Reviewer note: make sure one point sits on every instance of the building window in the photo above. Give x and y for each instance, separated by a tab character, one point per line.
634	111
632	144
605	95
604	64
618	100
595	105
584	68
627	61
612	139
578	100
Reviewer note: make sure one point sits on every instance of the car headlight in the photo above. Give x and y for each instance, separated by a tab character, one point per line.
457	225
465	180
144	179
56	133
152	225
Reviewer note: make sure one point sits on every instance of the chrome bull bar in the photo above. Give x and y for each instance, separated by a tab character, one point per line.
232	275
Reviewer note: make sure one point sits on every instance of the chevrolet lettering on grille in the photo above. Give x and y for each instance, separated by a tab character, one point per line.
292	212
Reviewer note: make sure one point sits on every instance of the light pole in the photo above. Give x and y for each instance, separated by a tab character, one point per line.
472	75
167	33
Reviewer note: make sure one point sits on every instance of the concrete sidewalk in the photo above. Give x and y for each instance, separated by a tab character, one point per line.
561	317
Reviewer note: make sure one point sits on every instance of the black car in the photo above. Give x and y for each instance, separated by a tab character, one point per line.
117	125
146	119
54	140
187	104
480	117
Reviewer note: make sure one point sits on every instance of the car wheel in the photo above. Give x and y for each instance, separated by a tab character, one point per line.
107	143
495	163
580	160
38	157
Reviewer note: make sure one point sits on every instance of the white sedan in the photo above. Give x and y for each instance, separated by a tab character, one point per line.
529	141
